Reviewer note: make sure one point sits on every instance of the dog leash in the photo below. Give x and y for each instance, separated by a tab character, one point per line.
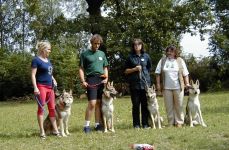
94	85
37	98
142	77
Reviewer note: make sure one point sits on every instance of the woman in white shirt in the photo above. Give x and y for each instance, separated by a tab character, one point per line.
172	72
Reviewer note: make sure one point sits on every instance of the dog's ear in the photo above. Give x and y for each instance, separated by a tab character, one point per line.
70	91
108	84
197	82
64	91
111	83
191	82
153	86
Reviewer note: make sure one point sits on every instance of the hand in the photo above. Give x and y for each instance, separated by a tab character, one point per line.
138	68
105	80
84	84
36	91
159	93
158	87
187	86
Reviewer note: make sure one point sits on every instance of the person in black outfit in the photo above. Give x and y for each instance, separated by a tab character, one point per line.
138	66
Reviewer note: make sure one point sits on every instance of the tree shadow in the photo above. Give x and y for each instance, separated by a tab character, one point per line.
17	135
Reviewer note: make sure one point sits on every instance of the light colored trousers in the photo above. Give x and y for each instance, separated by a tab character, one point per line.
174	106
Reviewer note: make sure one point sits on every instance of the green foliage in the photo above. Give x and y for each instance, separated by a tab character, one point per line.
19	128
158	23
207	72
14	26
65	62
14	74
219	42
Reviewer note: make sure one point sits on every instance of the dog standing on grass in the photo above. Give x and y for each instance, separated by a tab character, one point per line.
63	112
193	112
109	93
153	107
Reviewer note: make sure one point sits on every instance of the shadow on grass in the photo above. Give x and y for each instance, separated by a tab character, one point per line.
17	135
28	133
116	126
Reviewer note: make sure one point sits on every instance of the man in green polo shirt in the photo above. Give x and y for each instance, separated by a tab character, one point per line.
93	75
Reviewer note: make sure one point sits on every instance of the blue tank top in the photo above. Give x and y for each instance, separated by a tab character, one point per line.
44	71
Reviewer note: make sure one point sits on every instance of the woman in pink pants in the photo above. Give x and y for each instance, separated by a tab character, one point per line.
43	80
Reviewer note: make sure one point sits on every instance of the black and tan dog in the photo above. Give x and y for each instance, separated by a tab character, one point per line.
63	112
109	93
153	107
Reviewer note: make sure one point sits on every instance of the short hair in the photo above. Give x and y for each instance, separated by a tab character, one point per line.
96	37
42	45
137	41
173	48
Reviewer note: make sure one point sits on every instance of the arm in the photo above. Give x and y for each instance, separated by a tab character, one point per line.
158	82
131	70
82	79
105	74
186	81
33	78
185	74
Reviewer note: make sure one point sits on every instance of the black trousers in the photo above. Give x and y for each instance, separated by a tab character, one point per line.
138	98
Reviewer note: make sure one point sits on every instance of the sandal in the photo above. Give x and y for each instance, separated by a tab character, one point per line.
57	134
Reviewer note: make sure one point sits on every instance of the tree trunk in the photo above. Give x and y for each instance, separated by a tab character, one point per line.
96	19
1	30
94	7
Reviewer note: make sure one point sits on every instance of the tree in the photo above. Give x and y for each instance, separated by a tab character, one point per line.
157	23
219	42
15	33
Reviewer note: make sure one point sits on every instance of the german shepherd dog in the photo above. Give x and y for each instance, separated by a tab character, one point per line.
153	107
193	113
109	93
63	112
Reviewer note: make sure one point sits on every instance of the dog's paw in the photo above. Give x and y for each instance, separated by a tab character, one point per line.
67	133
63	135
204	125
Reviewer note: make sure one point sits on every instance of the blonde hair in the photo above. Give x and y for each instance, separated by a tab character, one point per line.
42	45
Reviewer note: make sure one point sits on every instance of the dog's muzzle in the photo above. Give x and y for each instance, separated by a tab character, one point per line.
112	95
66	104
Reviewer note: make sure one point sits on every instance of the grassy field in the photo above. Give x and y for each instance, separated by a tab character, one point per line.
19	128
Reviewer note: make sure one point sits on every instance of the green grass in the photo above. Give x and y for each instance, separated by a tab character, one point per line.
19	128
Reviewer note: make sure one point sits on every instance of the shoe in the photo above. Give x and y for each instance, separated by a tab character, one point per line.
136	127
43	136
178	125
57	134
87	129
145	127
98	128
